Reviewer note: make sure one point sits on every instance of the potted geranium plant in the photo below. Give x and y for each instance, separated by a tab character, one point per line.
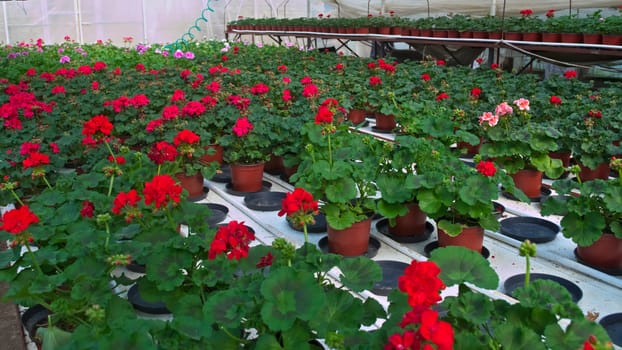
520	145
446	192
339	167
591	216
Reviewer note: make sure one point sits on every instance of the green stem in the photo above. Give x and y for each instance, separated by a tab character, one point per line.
159	166
239	340
528	270
107	237
46	182
17	198
172	222
330	152
34	260
304	228
110	185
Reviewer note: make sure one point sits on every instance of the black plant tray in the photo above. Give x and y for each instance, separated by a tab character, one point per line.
201	196
383	227
499	209
223	175
536	230
517	281
613	325
266	185
218	213
157	308
433	245
544	192
36	316
318	227
264	201
391	271
372	249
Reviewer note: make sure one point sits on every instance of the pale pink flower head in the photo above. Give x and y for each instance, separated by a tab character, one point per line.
503	108
490	118
522	104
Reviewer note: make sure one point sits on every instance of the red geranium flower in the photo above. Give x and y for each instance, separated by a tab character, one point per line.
87	209
232	239
425	77
161	190
442	96
475	92
178	95
260	89
242	126
193	109
36	159
29	147
186	136
555	100
97	128
265	260
310	91
161	152
118	159
420	281
486	168
127	203
16	221
569	74
299	206
375	80
404	341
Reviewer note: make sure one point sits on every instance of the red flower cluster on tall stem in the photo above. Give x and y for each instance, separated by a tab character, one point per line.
486	168
96	130
161	191
423	329
242	127
232	240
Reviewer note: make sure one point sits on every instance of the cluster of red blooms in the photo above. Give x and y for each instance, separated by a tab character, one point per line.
160	191
569	74
309	90
20	102
242	126
486	168
423	329
96	129
260	89
526	12
555	100
550	13
233	240
594	113
299	206
326	112
118	105
16	221
161	152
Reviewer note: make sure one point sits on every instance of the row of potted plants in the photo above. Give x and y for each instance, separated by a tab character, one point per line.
131	145
593	24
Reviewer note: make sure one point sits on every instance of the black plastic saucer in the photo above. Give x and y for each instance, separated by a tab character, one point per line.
372	249
499	209
536	230
201	196
544	192
383	227
391	271
264	201
136	267
157	308
318	227
223	175
266	185
517	281
609	271
384	131
218	213
433	245
613	325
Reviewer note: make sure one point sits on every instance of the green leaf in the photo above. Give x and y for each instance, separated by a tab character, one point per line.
228	308
577	332
583	230
290	295
514	337
341	190
359	273
476	308
53	338
459	265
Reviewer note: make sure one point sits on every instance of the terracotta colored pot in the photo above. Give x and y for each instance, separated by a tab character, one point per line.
216	157
274	165
601	172
612	39
356	116
385	121
529	181
396	30
452	33
532	36
193	184
494	35
466	34
605	253
471	237
361	30
563	156
551	37
513	36
411	223
571	37
383	30
592	38
351	241
425	32
439	33
247	177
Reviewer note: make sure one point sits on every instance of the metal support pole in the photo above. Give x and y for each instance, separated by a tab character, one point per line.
7	37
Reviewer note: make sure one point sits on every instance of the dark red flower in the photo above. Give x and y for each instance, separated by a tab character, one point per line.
140	67
120	160
260	89
406	341
161	190
29	147
324	115
95	86
550	13
475	92
594	113
139	100
299	205
16	221
161	152
282	68
178	95
438	332
87	209
154	125
486	168
310	91
97	66
339	66
306	80
420	281
440	62
193	109
58	89
287	95
265	260
127	203
526	12
170	112
442	96
425	77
